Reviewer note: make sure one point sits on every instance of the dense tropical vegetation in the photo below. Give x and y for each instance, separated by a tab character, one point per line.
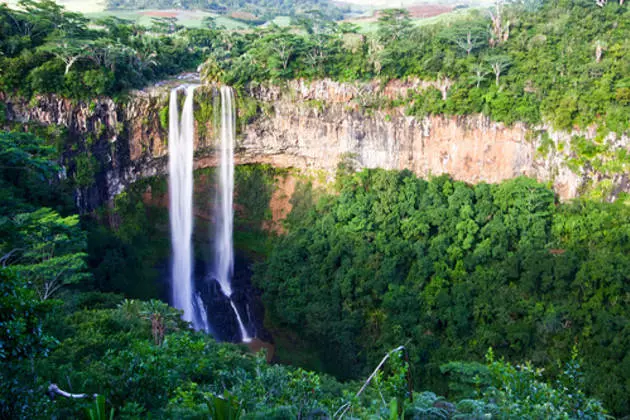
450	270
46	49
60	331
564	62
500	298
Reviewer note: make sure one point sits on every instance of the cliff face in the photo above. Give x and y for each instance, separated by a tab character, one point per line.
315	126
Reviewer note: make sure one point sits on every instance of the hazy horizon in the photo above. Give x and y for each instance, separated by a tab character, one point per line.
88	6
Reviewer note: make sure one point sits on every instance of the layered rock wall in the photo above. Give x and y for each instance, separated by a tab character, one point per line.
315	126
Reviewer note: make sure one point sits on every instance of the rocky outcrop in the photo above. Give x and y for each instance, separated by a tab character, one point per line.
315	126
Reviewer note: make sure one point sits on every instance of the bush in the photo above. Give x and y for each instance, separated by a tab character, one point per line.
47	78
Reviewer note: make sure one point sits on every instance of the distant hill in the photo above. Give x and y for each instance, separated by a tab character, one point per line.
250	11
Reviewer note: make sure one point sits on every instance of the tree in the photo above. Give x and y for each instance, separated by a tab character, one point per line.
211	71
106	53
36	18
318	48
393	25
500	28
498	64
21	314
468	39
209	22
55	15
65	48
117	28
27	178
21	339
162	317
348	28
480	72
280	46
50	250
27	168
284	49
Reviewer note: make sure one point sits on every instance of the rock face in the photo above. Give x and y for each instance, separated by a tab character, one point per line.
314	127
317	125
126	140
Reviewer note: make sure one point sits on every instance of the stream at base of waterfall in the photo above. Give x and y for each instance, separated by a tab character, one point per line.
185	291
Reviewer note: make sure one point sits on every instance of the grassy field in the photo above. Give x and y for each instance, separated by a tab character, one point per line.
188	18
95	9
282	21
193	18
421	15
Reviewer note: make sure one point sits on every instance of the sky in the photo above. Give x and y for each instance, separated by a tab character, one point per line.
85	6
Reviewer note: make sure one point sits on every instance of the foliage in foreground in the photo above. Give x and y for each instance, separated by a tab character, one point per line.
112	352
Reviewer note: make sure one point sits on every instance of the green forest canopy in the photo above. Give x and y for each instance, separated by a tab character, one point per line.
450	270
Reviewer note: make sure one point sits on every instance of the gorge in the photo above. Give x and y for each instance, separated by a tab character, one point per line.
389	216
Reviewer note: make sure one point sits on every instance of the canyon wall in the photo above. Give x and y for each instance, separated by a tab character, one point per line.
315	126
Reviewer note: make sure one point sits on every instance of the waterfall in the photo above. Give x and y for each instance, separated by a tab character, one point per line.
201	322
224	210
181	151
180	148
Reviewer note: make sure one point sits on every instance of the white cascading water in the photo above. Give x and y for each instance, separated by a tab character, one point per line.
180	148
201	321
224	213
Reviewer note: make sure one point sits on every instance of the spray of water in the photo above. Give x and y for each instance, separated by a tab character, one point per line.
223	245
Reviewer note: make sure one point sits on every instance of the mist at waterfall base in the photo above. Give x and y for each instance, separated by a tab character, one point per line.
205	292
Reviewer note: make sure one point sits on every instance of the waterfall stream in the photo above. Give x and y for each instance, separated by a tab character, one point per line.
224	207
180	148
